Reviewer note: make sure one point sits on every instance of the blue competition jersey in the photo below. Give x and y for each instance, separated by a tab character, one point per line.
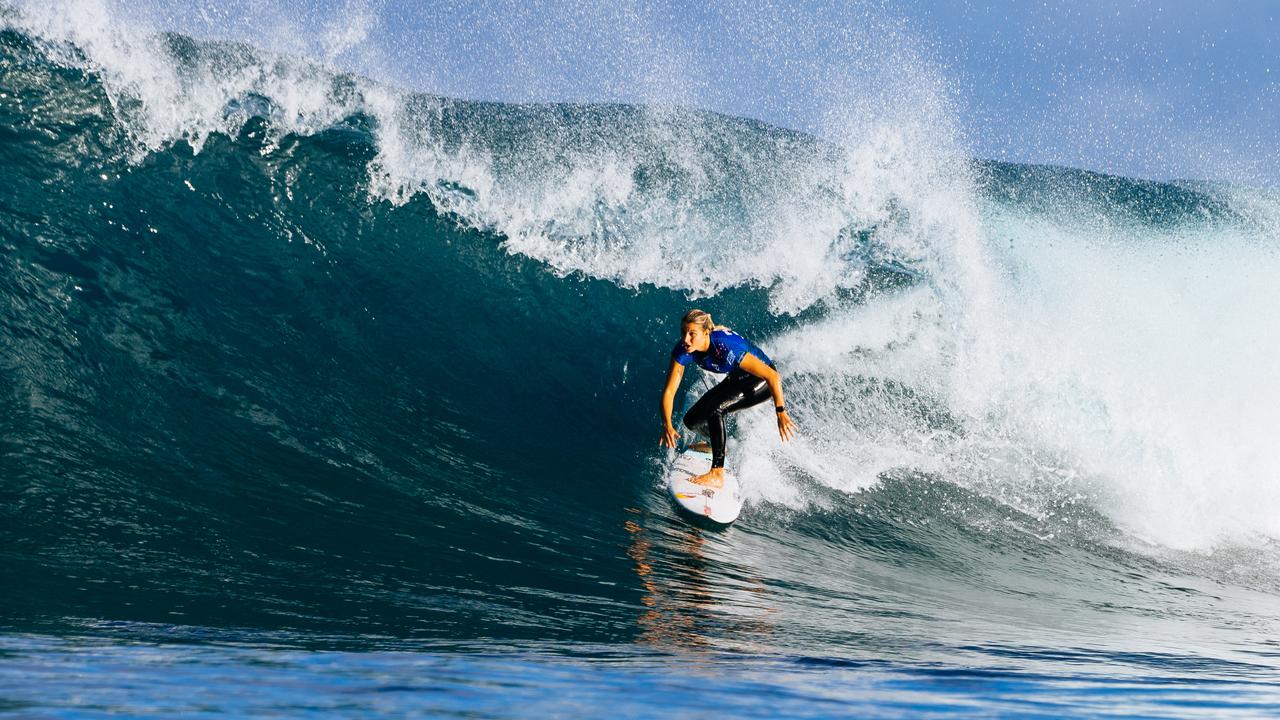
725	353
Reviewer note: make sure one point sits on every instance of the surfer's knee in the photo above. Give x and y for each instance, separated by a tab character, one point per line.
698	424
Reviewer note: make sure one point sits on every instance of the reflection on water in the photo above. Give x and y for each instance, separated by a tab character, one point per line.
696	595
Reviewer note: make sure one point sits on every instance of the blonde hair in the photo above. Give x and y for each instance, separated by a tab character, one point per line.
702	319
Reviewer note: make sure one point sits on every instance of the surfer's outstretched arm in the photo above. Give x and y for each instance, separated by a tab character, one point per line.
753	365
674	374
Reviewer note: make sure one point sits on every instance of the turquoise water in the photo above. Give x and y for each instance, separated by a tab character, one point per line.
348	406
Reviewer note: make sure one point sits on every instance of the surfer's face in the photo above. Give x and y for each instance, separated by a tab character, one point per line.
695	338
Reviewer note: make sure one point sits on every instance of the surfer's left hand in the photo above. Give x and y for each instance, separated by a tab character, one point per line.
786	428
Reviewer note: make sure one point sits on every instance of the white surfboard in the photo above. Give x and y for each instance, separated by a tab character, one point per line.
701	503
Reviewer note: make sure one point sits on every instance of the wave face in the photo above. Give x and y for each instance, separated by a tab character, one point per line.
291	354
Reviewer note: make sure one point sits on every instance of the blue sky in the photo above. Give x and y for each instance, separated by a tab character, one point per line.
1147	88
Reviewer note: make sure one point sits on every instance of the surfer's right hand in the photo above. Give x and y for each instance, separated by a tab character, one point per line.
669	437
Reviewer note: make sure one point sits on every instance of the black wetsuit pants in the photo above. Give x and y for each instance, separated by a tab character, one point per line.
707	416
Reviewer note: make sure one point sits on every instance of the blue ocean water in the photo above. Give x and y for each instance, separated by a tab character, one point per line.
344	401
88	677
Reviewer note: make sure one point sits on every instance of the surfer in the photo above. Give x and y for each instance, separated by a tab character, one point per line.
752	379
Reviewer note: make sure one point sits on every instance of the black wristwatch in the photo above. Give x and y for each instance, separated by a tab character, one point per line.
779	409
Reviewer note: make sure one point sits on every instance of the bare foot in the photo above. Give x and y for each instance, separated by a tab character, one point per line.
713	478
700	447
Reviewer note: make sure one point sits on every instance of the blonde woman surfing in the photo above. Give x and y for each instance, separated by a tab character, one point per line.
751	379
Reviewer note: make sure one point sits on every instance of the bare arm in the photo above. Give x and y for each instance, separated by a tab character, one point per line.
674	374
753	365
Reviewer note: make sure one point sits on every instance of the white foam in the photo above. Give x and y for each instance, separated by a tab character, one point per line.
160	98
1130	365
1146	358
